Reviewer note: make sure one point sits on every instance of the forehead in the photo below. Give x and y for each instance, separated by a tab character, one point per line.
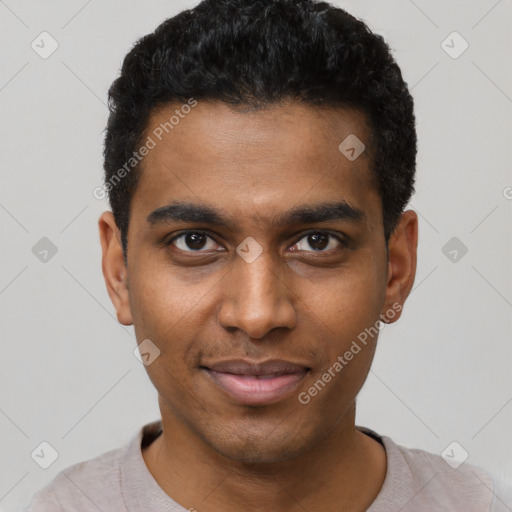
253	161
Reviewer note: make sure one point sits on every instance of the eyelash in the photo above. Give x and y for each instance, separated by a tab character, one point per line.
343	243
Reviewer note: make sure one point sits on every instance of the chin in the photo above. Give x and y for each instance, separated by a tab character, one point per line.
259	446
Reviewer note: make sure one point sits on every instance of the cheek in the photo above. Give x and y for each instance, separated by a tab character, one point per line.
349	301
161	303
173	315
346	314
159	314
166	314
347	328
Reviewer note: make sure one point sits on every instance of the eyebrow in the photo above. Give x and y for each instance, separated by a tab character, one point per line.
178	211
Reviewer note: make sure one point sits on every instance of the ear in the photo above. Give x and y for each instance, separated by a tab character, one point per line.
114	268
402	251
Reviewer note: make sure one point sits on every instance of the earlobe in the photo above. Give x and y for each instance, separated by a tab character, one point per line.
402	255
113	266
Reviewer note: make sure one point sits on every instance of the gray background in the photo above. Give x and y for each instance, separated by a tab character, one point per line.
68	375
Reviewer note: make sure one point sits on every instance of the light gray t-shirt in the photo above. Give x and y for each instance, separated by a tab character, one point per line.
119	481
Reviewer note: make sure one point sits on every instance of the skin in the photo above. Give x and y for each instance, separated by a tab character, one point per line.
293	303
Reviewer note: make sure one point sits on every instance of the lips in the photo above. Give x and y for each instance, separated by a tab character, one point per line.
256	383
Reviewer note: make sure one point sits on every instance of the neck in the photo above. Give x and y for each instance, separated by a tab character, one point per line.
343	472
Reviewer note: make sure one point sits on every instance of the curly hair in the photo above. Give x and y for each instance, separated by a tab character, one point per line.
257	53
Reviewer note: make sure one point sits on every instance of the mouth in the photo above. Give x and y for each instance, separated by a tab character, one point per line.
263	383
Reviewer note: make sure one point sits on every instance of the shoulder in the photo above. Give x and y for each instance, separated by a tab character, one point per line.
446	483
420	481
83	484
448	467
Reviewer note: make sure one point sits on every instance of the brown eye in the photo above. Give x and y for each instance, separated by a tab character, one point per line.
319	241
193	241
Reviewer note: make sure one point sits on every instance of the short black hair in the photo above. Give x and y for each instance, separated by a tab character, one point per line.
257	53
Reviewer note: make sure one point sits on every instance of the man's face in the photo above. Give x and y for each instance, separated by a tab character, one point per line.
315	286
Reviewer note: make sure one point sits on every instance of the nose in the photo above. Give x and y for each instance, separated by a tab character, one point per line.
257	297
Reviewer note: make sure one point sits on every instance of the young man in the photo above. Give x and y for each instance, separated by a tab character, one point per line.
259	156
